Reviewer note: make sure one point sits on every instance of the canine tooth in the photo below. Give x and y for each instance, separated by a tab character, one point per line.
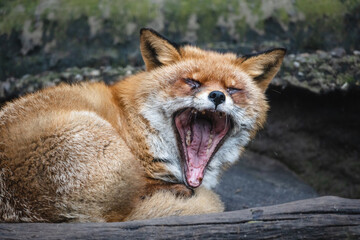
188	137
188	140
209	143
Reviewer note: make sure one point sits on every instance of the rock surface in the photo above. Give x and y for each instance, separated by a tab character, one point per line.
257	180
317	137
320	73
12	87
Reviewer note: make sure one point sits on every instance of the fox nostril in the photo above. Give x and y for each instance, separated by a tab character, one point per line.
217	97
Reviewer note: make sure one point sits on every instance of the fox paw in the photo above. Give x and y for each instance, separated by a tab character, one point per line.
181	190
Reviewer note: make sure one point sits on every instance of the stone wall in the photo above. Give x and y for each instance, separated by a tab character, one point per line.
41	35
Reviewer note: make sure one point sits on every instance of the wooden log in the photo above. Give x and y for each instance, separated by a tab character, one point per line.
318	218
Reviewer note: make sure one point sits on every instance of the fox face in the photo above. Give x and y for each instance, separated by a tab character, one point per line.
203	106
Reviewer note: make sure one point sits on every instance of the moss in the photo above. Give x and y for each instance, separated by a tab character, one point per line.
241	26
179	14
282	16
315	10
345	78
14	13
260	25
207	13
255	7
98	32
324	23
351	4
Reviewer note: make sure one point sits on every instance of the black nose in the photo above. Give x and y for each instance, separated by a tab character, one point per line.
217	98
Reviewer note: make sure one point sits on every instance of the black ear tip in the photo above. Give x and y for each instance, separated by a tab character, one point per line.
143	30
283	50
279	51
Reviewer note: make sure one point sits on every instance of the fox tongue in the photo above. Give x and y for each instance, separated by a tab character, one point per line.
197	151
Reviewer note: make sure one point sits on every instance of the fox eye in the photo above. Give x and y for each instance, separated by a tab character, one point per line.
232	91
192	83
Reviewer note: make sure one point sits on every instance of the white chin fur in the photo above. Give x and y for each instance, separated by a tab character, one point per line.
163	145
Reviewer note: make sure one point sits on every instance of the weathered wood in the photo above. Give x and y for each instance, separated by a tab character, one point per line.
317	218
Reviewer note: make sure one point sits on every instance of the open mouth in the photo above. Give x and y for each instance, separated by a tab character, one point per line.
200	135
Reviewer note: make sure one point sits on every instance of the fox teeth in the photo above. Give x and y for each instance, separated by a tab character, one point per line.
188	137
210	142
188	140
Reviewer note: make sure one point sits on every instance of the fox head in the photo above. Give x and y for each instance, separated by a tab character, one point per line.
203	106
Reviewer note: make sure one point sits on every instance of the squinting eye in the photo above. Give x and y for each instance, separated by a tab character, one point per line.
232	91
192	83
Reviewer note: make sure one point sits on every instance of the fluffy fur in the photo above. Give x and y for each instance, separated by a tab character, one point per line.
92	152
203	201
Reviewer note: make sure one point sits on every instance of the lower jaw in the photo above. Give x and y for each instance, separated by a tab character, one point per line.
193	183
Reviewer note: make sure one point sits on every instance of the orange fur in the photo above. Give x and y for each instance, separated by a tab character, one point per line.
88	152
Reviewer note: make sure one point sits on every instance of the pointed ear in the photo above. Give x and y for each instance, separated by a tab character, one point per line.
262	67
156	50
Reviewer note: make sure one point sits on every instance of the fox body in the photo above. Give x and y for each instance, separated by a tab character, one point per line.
151	145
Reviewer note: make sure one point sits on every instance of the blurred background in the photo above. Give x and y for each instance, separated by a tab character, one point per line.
313	129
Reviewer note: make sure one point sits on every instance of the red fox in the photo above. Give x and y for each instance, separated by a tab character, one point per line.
151	145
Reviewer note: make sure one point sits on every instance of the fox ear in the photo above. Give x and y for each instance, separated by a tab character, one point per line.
262	67
156	50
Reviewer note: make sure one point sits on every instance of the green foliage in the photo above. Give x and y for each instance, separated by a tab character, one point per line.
282	15
72	32
13	14
207	13
326	13
314	10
